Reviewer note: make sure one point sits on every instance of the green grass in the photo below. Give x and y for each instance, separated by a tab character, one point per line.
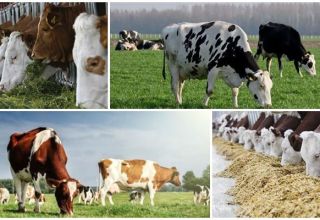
136	82
38	93
167	204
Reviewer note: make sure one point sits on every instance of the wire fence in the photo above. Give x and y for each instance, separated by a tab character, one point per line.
14	11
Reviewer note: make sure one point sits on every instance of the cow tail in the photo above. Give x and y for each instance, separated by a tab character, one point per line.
164	65
99	179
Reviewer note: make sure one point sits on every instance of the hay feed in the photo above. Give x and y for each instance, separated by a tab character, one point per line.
266	189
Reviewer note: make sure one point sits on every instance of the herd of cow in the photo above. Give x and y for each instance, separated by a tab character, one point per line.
218	49
131	40
39	153
62	34
292	136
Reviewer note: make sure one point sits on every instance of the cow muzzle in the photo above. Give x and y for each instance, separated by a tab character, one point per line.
96	65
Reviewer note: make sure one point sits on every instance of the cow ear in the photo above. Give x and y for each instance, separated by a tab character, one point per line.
53	20
251	77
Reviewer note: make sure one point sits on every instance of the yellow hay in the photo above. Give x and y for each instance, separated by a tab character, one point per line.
266	189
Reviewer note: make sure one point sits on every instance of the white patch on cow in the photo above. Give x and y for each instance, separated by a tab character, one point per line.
289	155
42	137
72	186
3	48
16	61
310	152
92	89
248	137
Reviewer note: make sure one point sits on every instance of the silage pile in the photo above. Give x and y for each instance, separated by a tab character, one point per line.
266	189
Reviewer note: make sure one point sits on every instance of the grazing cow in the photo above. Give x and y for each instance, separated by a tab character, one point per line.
35	154
310	151
291	144
211	50
130	36
86	195
278	40
55	37
17	54
201	194
4	196
3	48
90	57
136	196
142	174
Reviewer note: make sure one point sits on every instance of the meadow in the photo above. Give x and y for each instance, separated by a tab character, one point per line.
38	93
167	204
136	82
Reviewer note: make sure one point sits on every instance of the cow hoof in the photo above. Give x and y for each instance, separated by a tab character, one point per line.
21	209
37	210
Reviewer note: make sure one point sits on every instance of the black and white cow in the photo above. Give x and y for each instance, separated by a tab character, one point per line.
210	50
149	44
278	40
86	195
125	45
136	196
129	35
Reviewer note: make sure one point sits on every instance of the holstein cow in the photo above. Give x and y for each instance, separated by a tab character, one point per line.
149	44
291	145
4	196
90	57
310	151
210	50
55	37
86	195
130	36
278	40
39	153
136	196
201	194
17	54
142	174
3	48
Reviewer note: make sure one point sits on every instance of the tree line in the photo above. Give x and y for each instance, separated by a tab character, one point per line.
304	17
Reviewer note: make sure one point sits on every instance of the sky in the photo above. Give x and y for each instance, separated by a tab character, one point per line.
179	139
148	6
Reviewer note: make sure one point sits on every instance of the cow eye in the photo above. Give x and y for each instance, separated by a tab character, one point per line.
316	156
261	86
14	57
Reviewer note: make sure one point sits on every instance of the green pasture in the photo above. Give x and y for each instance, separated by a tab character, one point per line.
136	82
167	204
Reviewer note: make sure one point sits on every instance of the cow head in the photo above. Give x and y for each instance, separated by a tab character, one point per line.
308	63
175	180
289	155
65	192
310	152
55	35
3	47
260	85
16	61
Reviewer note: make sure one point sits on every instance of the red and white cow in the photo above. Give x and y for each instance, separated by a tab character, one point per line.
248	135
142	174
39	153
4	196
90	57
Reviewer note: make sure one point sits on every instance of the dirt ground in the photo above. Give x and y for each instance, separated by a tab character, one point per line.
266	189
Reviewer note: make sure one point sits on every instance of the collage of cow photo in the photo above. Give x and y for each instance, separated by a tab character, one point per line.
174	109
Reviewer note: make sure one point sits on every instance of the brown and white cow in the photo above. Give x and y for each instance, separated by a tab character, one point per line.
55	37
142	174
291	145
39	153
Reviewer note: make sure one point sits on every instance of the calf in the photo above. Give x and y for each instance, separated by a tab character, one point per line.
136	196
86	195
90	57
4	196
277	40
130	36
210	50
142	174
39	153
291	144
201	194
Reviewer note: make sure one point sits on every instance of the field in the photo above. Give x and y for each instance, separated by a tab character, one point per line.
136	82
167	204
37	93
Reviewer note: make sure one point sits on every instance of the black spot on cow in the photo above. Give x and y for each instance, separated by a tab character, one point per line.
210	49
205	27
189	56
196	56
217	36
177	32
207	42
212	55
231	28
310	65
166	36
219	41
187	43
255	96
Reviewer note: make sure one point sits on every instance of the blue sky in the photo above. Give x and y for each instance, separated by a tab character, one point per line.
178	139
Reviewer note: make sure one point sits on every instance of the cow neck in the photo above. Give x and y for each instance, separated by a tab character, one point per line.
309	123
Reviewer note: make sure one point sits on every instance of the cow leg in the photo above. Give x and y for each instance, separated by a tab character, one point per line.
269	61
296	65
235	93
259	51
18	185
36	184
181	84
175	82
212	75
79	200
142	197
152	192
109	195
280	66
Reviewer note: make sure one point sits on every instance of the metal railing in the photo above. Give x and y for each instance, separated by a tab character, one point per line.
14	11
